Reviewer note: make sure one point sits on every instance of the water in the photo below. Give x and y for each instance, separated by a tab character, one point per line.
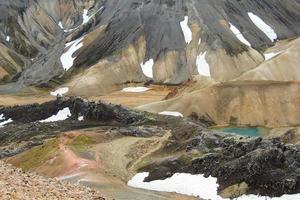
245	131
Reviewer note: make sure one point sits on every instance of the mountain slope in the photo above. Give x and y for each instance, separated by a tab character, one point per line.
117	37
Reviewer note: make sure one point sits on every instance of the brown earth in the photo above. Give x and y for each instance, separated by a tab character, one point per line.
261	103
130	99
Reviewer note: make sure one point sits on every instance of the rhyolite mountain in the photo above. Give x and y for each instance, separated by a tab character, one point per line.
217	62
120	35
94	47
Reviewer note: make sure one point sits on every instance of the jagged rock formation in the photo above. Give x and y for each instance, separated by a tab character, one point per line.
264	167
117	36
25	131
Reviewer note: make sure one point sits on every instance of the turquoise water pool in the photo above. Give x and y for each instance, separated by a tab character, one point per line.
244	131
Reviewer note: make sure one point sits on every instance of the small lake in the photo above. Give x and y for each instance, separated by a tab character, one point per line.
244	131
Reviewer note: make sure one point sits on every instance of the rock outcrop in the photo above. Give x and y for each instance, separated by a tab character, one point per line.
266	167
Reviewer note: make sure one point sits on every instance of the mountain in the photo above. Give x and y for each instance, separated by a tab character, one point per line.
215	66
61	41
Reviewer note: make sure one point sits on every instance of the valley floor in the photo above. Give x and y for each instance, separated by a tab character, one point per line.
101	157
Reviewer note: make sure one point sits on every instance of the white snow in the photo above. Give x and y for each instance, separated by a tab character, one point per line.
239	35
269	56
60	116
193	185
67	58
60	25
172	113
4	122
202	65
188	35
60	91
135	89
263	26
7	38
147	68
80	118
85	16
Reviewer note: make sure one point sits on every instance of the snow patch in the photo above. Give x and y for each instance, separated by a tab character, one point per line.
85	16
60	91
7	38
263	26
60	25
60	116
4	122
269	56
80	118
239	35
202	65
198	186
147	68
135	89
188	35
171	113
67	58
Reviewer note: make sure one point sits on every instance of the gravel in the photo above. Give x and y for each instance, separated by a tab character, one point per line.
19	185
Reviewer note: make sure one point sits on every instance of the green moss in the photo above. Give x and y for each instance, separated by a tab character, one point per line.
37	156
186	159
141	164
82	143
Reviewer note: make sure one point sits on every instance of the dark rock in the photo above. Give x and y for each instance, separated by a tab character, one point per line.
268	166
